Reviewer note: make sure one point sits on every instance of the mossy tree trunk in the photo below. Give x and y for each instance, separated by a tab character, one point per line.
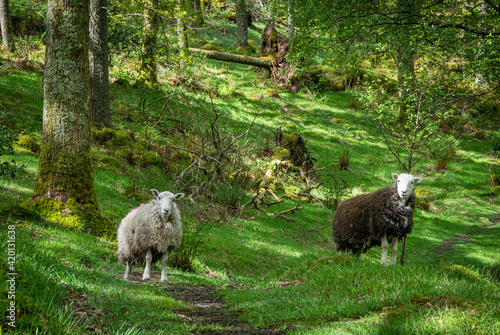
65	170
241	24
148	72
100	115
6	26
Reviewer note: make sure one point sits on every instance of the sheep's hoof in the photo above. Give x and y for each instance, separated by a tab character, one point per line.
145	279
164	280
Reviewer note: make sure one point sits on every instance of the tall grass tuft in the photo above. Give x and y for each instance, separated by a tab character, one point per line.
344	158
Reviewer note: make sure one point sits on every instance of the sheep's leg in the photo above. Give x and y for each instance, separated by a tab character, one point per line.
147	270
385	249
126	276
164	259
394	250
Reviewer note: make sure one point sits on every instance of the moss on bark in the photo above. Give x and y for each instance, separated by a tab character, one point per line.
64	190
72	215
64	174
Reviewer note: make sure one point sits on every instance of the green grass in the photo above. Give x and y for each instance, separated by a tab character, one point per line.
288	275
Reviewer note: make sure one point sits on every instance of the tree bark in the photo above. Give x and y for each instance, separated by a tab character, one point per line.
100	115
148	71
291	23
198	13
6	26
241	24
182	29
254	61
65	170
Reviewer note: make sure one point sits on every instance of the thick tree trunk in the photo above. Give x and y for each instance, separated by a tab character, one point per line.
241	24
65	169
148	71
6	27
100	115
234	58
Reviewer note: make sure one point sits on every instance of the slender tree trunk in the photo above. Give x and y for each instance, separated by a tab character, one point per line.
405	50
198	13
291	23
148	71
100	115
241	24
182	29
6	26
406	70
65	170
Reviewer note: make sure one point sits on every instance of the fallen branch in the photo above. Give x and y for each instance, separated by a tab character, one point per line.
254	61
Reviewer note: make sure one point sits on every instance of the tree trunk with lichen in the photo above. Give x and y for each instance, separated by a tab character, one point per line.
100	115
6	26
148	73
64	187
241	24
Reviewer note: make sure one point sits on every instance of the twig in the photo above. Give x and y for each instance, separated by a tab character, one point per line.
289	211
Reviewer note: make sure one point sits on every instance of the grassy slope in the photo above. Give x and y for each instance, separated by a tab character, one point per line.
283	279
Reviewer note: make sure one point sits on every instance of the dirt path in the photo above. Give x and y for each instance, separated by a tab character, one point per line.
206	307
445	248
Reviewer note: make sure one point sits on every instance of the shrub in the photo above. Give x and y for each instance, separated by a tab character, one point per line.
193	236
27	142
336	190
444	150
495	145
152	158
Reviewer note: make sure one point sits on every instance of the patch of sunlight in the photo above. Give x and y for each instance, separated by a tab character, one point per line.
278	248
17	188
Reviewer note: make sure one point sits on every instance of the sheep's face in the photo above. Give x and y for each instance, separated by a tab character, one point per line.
405	183
166	201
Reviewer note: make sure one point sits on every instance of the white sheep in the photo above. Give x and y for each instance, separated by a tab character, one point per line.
149	232
371	219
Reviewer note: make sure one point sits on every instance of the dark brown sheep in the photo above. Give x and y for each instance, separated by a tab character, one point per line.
371	219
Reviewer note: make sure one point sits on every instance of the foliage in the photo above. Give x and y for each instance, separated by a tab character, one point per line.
418	133
288	277
336	190
7	137
194	235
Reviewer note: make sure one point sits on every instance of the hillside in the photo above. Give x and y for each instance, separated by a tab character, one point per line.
264	271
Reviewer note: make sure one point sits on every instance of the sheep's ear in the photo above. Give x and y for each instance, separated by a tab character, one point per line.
155	193
178	196
418	180
395	176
